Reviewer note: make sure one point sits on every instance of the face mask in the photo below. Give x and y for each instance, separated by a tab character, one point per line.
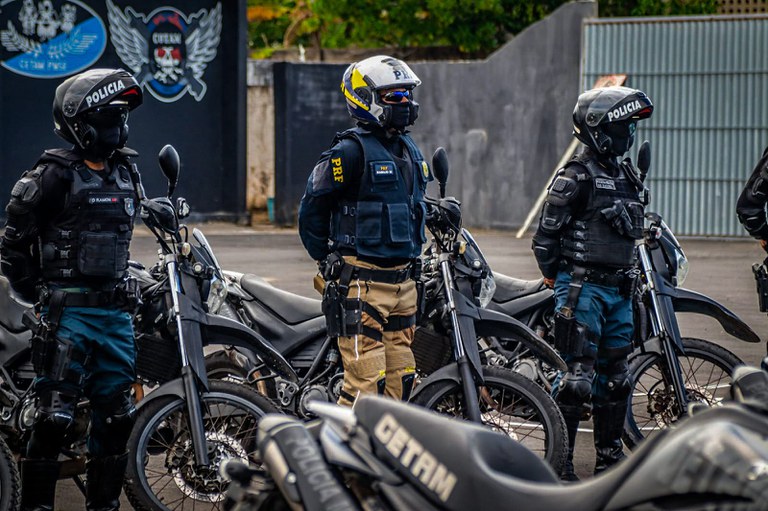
105	143
403	115
619	146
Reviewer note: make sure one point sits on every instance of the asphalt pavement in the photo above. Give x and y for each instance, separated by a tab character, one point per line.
719	268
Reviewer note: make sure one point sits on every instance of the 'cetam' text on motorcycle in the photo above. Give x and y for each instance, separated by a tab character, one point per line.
389	456
668	370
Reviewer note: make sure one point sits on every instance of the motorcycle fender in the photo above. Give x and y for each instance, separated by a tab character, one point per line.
495	324
685	300
468	314
221	330
169	388
449	372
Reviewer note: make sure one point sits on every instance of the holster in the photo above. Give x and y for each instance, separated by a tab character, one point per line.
128	294
761	278
571	336
50	354
333	309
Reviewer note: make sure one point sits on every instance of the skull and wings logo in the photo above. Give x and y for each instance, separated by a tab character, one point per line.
167	50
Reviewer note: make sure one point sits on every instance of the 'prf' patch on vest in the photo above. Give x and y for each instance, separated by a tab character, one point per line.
383	169
604	184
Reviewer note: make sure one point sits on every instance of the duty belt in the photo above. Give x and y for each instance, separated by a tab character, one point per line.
605	277
81	298
383	276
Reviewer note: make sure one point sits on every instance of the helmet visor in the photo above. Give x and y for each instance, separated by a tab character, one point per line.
106	116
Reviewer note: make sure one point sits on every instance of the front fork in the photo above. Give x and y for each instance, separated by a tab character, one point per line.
471	401
672	370
189	379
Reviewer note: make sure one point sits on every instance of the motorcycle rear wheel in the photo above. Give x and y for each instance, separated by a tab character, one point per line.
10	481
511	404
707	369
162	473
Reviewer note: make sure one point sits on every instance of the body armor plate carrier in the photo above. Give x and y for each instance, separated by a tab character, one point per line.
603	233
387	221
90	238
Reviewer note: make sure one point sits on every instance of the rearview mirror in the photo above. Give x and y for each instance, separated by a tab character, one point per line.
644	159
169	164
440	168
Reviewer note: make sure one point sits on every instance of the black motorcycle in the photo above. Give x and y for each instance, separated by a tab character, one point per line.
389	456
186	426
669	371
453	378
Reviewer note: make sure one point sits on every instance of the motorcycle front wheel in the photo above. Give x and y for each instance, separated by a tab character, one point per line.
510	404
162	473
707	369
10	482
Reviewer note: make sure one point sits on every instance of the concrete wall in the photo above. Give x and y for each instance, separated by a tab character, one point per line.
261	136
505	121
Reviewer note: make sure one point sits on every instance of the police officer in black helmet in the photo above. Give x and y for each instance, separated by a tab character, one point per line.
65	246
584	247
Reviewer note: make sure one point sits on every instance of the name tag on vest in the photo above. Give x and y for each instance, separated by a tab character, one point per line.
604	184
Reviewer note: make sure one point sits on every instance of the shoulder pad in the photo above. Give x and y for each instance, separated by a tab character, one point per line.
126	152
64	157
563	189
577	170
27	189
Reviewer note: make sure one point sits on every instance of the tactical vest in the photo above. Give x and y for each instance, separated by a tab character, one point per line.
89	239
387	221
604	232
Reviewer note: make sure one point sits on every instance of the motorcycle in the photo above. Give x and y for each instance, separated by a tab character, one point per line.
669	371
390	456
186	425
449	368
10	480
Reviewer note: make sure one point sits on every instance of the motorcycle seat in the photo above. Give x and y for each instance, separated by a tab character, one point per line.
12	307
473	467
509	288
291	308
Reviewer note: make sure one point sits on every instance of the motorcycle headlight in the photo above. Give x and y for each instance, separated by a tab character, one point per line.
682	267
217	295
487	288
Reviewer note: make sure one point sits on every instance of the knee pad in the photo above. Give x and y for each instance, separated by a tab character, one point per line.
575	387
53	420
618	380
118	420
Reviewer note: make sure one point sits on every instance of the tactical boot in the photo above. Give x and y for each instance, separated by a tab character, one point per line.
609	425
105	481
38	484
572	416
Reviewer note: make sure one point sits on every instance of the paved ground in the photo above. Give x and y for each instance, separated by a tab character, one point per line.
720	269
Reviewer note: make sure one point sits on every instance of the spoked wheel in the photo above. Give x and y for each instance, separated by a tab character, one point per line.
10	482
162	473
510	404
707	370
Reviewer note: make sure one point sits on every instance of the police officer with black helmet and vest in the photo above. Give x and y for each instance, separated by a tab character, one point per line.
362	219
69	225
584	247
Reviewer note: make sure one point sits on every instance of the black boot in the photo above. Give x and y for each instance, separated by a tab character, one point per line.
38	484
105	481
609	425
572	416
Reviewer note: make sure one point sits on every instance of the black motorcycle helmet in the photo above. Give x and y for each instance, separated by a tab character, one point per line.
91	109
605	118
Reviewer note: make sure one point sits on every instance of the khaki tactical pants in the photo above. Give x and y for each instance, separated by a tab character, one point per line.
379	360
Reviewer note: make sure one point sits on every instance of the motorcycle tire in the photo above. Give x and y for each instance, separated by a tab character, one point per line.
218	366
10	480
707	369
162	474
506	398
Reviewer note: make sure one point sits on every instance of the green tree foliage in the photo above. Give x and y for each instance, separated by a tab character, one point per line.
471	26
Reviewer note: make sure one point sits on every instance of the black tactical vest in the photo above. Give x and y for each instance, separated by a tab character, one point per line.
603	233
89	239
387	221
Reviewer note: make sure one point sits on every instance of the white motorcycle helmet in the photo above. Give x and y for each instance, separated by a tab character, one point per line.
362	81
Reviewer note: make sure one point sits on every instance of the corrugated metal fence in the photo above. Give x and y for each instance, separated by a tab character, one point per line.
708	79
